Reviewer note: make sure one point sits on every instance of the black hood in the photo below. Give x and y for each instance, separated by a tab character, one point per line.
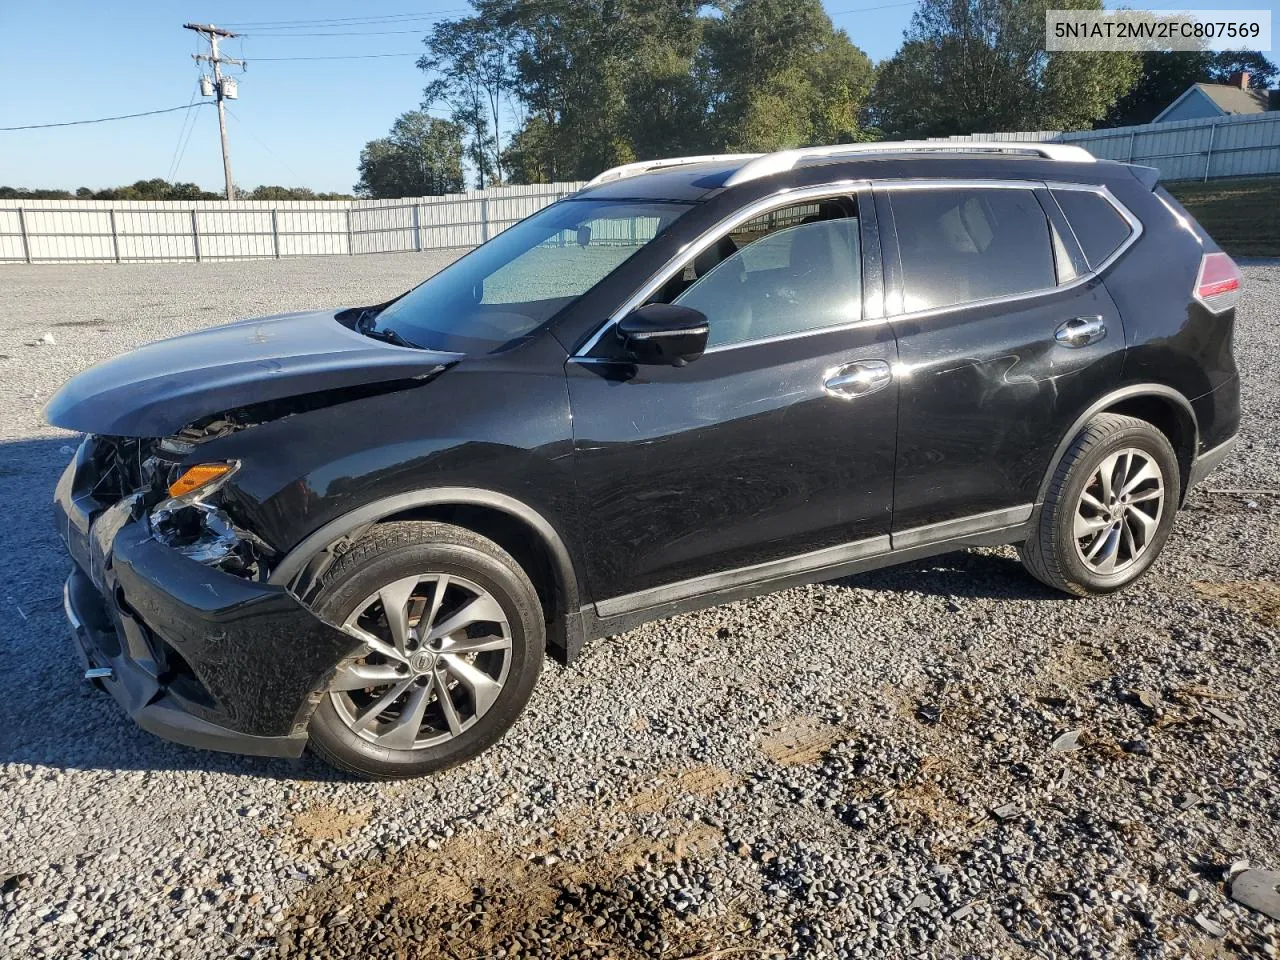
158	389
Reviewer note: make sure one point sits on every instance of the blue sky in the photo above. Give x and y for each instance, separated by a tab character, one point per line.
297	122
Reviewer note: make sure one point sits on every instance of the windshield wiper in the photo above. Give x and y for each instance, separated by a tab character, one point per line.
364	325
388	335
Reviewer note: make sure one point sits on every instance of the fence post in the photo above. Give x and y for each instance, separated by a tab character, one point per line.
275	233
484	219
1208	156
195	234
22	227
1131	136
417	230
351	246
115	238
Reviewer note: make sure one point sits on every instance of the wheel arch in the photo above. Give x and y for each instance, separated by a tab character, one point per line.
1162	406
519	529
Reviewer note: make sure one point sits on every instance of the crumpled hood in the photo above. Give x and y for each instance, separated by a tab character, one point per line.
161	387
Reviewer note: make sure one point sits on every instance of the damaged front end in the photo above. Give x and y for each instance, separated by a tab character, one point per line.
170	598
169	603
179	495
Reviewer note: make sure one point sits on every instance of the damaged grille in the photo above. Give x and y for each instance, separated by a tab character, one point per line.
116	467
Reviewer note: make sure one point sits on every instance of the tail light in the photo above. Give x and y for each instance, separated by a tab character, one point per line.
1218	284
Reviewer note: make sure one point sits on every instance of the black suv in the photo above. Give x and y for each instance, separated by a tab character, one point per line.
692	381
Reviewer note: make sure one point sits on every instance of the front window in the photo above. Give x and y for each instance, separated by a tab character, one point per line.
519	280
790	271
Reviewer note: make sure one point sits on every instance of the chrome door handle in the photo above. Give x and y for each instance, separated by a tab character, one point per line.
1081	331
857	379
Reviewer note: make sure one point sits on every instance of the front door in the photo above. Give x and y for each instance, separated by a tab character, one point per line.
777	442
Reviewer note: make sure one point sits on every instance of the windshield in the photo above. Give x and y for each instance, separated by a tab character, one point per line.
510	286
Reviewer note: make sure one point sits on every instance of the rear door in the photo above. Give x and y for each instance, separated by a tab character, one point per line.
775	444
1004	338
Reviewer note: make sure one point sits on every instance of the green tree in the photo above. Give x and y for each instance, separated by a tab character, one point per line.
783	76
156	188
473	74
531	155
24	193
422	156
601	81
606	82
1166	76
973	66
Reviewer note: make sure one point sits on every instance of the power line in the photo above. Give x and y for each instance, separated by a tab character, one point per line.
340	33
316	21
177	165
345	56
882	6
123	116
195	92
262	143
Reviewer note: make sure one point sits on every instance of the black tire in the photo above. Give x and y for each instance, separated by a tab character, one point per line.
1050	552
390	552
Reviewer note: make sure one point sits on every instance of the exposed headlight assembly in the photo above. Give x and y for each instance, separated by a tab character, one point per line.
191	522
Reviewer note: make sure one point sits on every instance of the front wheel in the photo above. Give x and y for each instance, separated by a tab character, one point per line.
452	644
1109	508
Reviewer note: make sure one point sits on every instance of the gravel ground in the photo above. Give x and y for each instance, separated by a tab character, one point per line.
886	765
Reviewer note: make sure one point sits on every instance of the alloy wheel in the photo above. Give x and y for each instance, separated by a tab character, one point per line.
1119	511
437	653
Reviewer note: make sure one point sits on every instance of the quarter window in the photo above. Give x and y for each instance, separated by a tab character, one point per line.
790	271
963	245
1096	223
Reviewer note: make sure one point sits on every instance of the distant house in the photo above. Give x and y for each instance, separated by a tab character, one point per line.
1206	100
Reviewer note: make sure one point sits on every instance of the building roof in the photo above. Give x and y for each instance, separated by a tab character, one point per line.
1229	99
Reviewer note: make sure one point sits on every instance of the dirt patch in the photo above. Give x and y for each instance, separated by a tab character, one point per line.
508	892
669	786
323	822
924	801
1259	598
1076	665
802	741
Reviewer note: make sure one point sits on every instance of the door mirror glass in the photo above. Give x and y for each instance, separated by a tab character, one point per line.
664	333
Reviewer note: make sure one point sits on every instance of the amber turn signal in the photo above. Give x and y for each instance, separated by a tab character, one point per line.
198	476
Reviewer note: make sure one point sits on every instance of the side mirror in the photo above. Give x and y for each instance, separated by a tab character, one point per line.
664	333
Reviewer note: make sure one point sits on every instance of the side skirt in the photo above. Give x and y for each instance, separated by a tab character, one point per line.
619	614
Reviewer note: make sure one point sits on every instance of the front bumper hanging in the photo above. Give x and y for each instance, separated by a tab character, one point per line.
195	655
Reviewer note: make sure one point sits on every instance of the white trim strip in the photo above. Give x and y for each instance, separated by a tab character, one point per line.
785	160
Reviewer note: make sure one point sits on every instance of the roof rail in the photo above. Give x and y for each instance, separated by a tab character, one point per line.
644	166
784	160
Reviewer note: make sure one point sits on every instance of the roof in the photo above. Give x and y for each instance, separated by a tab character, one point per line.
728	170
1230	99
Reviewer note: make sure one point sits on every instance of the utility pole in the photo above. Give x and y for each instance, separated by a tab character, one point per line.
221	90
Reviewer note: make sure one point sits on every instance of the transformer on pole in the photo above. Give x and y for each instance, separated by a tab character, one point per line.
223	88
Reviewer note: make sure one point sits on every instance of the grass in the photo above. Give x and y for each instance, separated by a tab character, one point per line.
1242	215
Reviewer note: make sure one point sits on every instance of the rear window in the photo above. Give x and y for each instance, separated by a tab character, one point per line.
1096	223
963	245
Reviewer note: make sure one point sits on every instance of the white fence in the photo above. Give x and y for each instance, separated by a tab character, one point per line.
120	231
110	231
1182	149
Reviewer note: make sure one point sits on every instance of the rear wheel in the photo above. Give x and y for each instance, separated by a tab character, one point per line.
452	644
1109	508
